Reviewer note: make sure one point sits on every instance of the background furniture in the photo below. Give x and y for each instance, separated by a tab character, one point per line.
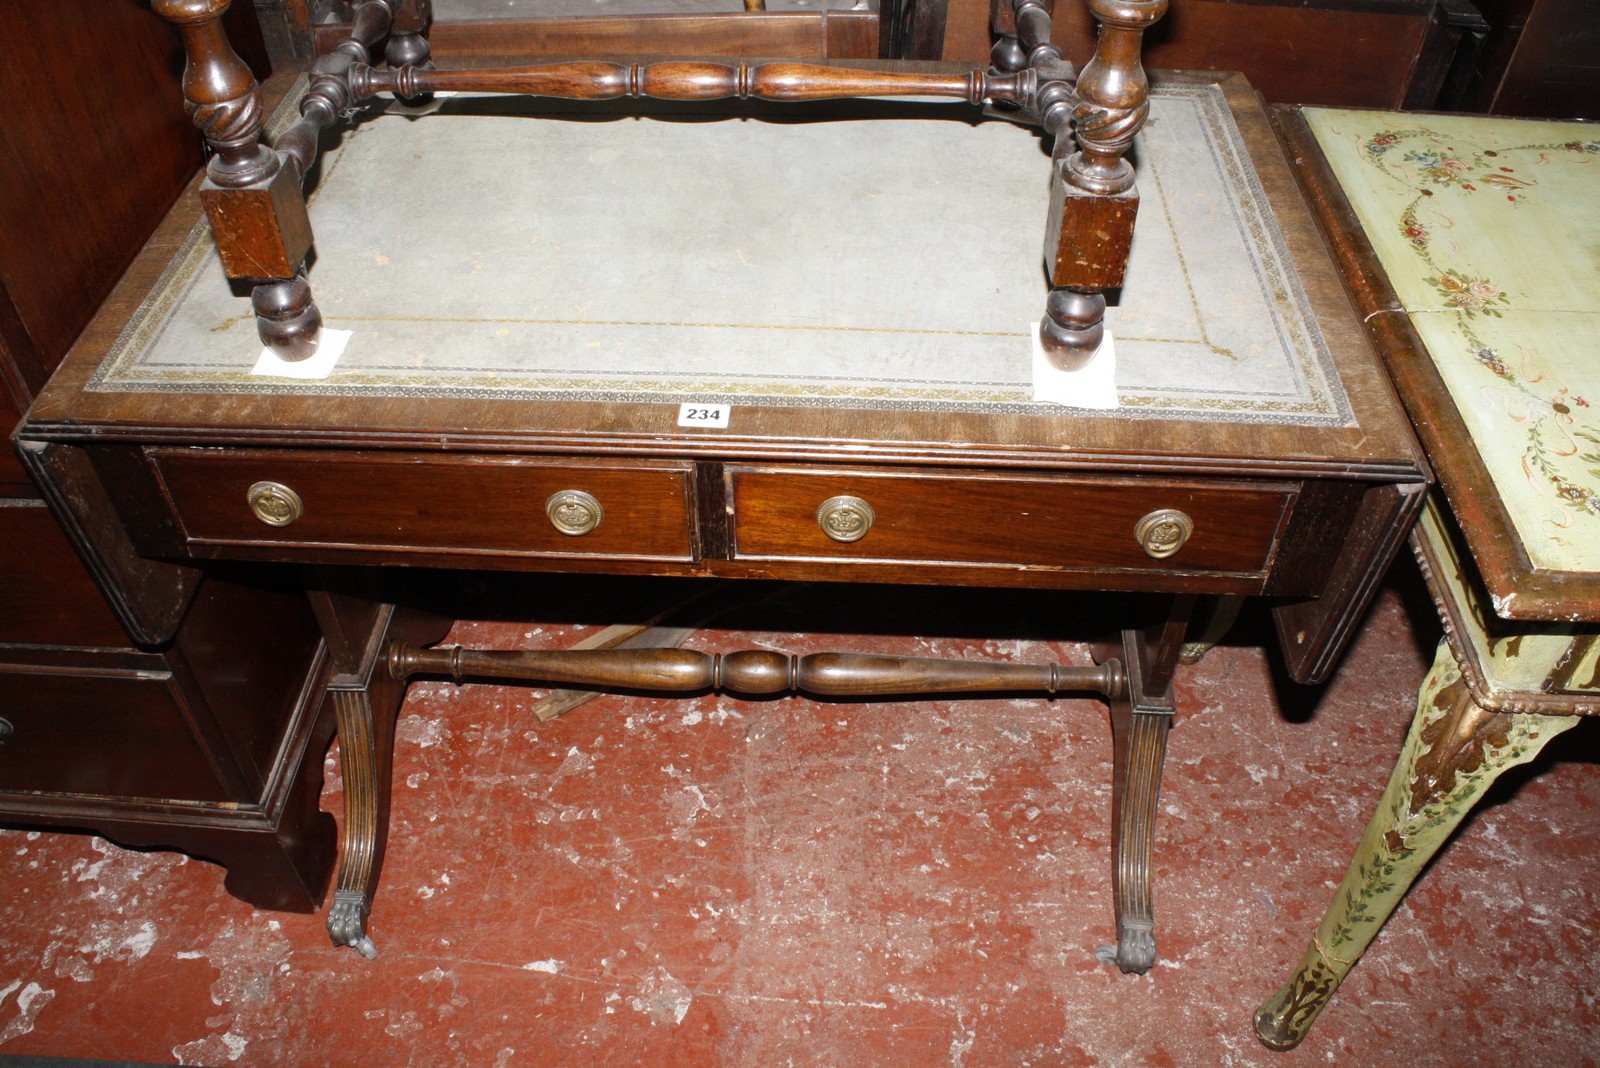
1469	245
1503	57
1382	53
1538	59
206	738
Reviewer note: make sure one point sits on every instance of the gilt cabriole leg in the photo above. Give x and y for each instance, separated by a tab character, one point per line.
1455	750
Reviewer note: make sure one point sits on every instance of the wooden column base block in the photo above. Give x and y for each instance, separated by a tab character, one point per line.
1455	751
262	230
1088	236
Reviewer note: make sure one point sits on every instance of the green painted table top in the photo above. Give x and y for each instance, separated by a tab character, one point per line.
1489	232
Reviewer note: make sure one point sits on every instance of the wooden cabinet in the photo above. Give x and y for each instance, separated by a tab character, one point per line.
211	738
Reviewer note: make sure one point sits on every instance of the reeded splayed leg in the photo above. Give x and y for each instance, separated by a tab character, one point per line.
368	769
1453	753
253	202
366	704
1093	201
1139	724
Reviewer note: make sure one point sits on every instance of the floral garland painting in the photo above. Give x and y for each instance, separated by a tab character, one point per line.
1490	233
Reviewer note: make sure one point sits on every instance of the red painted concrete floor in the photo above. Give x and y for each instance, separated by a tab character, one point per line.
786	882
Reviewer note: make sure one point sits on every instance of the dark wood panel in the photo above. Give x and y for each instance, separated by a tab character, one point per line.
13	480
19	367
81	192
1068	522
409	502
1554	70
49	598
797	35
101	731
97	147
247	651
148	596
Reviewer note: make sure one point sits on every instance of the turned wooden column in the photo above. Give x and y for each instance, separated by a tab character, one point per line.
1093	202
408	43
255	206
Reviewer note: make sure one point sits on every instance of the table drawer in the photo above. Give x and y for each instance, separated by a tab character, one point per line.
430	503
1005	521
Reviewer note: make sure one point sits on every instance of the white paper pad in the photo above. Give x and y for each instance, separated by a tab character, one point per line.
1093	386
330	346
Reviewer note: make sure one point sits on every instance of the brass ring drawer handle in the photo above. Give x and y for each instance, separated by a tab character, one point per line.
574	512
1163	532
845	518
274	504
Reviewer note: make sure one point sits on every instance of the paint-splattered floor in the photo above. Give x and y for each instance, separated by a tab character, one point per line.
787	882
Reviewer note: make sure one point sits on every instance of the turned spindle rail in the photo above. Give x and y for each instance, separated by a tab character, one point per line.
754	671
777	81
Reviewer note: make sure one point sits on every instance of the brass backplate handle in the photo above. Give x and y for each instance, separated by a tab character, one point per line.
574	512
1163	532
845	518
274	504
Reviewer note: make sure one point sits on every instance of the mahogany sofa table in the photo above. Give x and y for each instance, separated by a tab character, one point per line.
1470	245
543	310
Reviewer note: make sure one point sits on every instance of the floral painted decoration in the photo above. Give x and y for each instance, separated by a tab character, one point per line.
1424	164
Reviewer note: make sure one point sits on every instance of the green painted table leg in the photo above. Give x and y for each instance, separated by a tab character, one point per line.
1454	751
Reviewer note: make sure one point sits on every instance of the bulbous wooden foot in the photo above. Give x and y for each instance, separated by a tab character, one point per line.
287	319
1072	328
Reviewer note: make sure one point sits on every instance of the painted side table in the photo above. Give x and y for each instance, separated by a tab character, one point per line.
1472	248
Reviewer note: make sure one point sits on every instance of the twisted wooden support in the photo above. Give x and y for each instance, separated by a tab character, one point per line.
1093	202
252	194
257	213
